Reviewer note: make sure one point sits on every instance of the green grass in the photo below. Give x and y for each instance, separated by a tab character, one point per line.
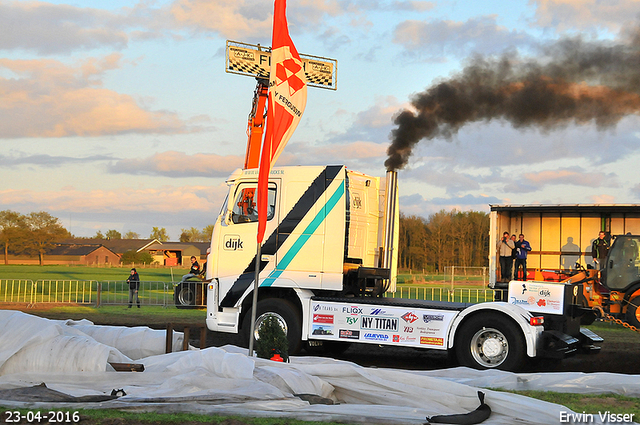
53	272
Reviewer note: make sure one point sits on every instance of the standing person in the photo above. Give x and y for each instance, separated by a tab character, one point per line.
522	249
513	258
599	250
505	248
134	286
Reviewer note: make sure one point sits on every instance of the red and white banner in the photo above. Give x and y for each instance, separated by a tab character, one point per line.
287	100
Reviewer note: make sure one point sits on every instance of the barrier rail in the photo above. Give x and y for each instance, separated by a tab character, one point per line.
194	294
83	292
463	295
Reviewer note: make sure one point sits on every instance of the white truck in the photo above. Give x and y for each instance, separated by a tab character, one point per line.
330	254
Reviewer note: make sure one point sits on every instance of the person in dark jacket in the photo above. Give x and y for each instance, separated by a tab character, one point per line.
522	249
599	250
134	286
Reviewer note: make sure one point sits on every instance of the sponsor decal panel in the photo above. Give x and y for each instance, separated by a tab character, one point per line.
426	318
322	330
409	317
538	297
379	323
323	318
429	340
349	334
376	337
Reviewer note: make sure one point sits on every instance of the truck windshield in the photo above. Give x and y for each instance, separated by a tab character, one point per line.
245	210
623	262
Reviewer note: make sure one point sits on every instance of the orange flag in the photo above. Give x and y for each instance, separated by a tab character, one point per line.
287	100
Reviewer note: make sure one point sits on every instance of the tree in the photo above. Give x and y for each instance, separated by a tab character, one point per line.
159	234
98	235
43	231
191	235
12	231
207	232
131	235
113	234
132	256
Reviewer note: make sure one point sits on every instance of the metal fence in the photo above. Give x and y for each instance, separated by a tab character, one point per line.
97	293
463	295
83	292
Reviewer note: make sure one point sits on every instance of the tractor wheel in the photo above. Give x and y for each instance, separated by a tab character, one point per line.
287	315
490	340
633	312
185	295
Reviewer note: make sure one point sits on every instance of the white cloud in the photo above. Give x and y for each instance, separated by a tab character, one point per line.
165	199
179	164
435	39
48	98
563	15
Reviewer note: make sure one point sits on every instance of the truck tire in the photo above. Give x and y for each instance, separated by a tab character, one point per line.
633	312
287	315
185	295
488	341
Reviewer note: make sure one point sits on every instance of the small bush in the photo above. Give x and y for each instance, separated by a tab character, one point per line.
132	256
272	340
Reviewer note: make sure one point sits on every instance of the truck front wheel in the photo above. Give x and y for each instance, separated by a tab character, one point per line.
286	314
633	312
489	340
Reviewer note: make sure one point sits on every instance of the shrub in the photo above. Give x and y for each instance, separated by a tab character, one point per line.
272	340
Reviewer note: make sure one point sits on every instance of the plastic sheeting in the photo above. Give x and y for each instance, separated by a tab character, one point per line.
226	381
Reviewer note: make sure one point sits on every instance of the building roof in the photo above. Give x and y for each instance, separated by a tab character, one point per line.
73	249
570	208
119	246
173	246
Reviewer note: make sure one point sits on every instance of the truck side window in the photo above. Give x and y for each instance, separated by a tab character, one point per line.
245	208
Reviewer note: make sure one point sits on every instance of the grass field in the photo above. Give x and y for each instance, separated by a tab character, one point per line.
32	272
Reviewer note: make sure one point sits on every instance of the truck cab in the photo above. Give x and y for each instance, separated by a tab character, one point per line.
323	236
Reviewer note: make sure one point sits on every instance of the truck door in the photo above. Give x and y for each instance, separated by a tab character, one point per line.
237	239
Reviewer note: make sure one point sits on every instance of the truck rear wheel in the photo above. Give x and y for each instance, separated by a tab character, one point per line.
286	314
185	295
488	341
633	312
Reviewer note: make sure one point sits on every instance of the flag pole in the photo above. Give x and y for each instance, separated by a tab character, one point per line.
254	304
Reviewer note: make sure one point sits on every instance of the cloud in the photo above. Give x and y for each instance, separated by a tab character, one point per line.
576	176
47	98
435	40
416	204
165	199
50	28
45	160
563	15
179	164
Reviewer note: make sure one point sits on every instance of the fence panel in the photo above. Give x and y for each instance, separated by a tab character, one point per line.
150	293
64	291
16	290
462	295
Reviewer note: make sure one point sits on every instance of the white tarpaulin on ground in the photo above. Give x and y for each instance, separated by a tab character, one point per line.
73	358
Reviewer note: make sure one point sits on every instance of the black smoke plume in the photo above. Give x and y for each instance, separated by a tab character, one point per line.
574	81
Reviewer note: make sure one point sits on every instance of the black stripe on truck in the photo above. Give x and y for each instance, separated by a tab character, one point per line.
282	232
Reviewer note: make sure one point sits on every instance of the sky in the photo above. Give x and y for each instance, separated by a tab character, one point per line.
120	115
